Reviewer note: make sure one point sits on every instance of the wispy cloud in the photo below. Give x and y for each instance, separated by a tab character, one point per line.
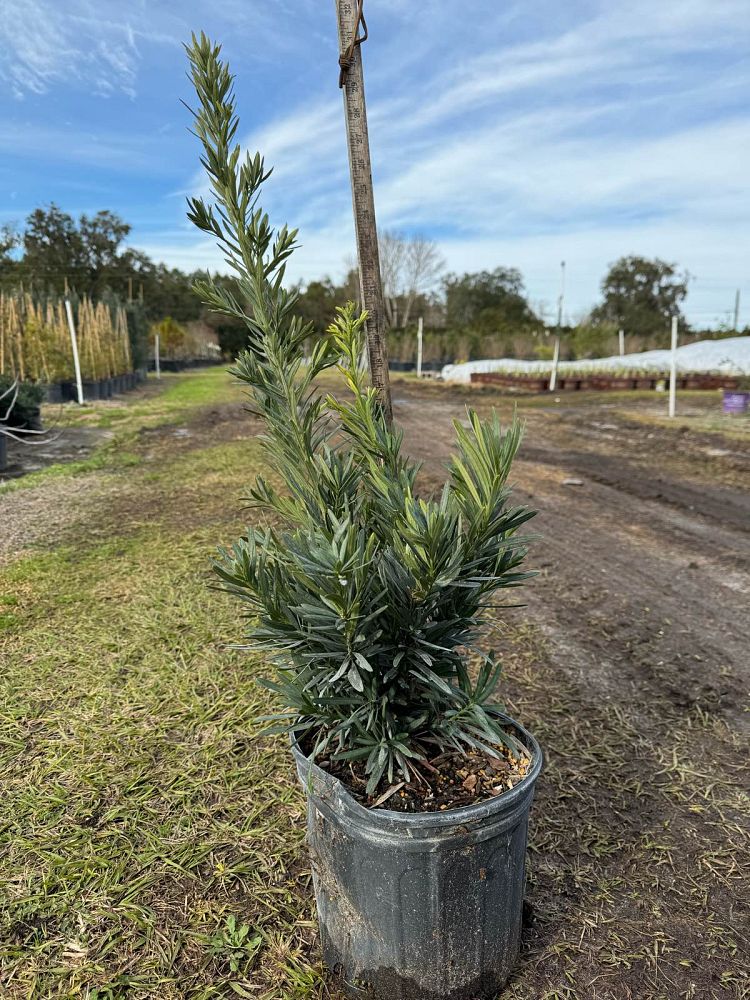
516	133
624	131
100	44
42	44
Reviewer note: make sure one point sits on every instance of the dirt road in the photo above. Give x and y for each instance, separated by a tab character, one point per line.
644	550
631	662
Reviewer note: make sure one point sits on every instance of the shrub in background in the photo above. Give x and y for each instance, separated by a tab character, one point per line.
24	412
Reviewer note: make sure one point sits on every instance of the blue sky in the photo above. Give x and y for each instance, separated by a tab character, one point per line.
513	133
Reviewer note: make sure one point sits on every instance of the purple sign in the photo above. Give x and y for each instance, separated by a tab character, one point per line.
736	402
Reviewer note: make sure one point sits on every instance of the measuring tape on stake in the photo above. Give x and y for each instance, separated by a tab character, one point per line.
350	18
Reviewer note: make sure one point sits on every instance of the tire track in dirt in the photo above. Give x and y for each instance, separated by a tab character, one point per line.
647	576
629	663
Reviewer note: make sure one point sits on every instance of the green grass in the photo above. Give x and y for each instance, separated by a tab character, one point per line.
143	812
174	396
142	809
177	398
109	457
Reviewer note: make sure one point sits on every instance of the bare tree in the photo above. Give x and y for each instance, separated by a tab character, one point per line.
392	248
409	266
423	265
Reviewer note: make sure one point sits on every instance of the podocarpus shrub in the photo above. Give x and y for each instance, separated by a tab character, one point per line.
366	596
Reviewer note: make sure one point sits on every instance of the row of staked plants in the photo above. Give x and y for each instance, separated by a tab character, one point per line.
365	594
35	340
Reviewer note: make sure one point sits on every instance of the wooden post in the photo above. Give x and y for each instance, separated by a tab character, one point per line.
348	16
130	289
157	360
673	370
74	342
621	338
419	347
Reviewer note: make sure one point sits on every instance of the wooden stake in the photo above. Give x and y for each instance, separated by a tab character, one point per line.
358	143
157	359
420	330
621	338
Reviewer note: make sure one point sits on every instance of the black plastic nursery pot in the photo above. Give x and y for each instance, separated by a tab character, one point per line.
69	392
418	906
53	392
91	390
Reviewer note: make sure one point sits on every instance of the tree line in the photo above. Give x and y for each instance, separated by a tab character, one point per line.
470	315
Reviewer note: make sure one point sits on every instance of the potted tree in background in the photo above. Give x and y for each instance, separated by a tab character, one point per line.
369	601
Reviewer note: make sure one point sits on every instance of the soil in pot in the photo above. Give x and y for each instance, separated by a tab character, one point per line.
451	780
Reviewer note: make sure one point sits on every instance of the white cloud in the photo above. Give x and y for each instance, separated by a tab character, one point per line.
518	133
616	135
43	43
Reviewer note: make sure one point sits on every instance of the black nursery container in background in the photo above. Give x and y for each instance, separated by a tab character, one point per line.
370	601
92	390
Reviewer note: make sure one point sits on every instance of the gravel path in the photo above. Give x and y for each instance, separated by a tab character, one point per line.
38	515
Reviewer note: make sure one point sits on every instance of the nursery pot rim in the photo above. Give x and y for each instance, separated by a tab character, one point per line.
425	823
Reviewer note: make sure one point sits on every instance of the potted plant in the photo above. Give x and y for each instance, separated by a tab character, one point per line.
369	599
20	404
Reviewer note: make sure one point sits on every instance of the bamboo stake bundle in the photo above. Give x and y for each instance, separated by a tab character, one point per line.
35	341
122	338
16	329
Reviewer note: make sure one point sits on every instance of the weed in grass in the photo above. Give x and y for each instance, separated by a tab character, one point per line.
234	945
